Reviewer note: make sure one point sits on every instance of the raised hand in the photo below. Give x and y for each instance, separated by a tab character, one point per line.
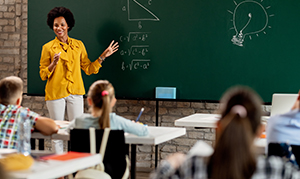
112	48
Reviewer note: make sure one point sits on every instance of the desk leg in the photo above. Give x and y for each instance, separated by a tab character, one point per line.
133	161
156	155
41	144
32	143
69	146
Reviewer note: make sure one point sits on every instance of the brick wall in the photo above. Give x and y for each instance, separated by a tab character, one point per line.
13	38
13	61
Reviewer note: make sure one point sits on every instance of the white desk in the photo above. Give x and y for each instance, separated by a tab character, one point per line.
55	168
157	135
61	135
198	120
202	120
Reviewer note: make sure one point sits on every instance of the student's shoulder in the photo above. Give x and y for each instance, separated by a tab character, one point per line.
13	108
112	114
8	108
85	121
85	117
31	114
283	118
2	106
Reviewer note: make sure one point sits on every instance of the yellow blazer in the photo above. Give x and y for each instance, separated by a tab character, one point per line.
65	78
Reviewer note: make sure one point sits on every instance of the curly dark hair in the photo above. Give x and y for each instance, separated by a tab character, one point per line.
61	12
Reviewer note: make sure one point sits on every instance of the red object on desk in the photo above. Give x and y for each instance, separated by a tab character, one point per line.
67	156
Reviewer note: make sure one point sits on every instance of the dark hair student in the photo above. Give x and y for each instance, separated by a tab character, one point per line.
237	129
101	99
234	155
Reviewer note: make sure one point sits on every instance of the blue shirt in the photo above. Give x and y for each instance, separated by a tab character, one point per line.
284	128
117	122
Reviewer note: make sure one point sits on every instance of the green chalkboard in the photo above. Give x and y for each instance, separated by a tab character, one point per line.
201	47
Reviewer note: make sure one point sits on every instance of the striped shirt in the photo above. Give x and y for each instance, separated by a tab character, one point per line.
195	168
9	119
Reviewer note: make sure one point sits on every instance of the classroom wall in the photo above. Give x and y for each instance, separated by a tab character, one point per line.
13	61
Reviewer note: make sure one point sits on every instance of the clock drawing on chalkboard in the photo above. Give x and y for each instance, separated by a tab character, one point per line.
249	18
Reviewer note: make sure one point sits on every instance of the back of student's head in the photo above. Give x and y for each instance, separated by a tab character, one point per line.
234	155
11	88
101	93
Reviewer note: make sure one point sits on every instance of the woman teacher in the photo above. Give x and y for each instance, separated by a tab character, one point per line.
61	62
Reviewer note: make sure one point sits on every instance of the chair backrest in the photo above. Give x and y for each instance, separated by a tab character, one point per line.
116	150
296	152
282	150
282	103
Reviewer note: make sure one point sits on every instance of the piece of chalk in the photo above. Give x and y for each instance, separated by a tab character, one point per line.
59	53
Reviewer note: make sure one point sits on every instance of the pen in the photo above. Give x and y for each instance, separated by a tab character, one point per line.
139	115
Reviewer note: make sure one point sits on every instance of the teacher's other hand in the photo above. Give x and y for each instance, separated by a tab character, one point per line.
56	58
54	61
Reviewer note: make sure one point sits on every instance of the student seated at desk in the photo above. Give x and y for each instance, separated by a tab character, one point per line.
11	90
233	156
101	99
285	128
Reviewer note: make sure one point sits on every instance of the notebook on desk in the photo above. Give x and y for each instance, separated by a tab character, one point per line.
282	103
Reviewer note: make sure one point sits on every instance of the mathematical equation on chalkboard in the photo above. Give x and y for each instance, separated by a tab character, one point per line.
139	51
136	50
137	64
136	56
135	36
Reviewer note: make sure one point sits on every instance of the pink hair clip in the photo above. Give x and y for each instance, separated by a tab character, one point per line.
240	110
104	93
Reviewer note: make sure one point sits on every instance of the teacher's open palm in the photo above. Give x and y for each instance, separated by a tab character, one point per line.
112	48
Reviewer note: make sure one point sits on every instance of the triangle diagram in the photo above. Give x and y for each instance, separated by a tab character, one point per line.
138	12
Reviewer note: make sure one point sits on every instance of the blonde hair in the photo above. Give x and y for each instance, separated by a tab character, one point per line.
234	156
11	88
98	94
